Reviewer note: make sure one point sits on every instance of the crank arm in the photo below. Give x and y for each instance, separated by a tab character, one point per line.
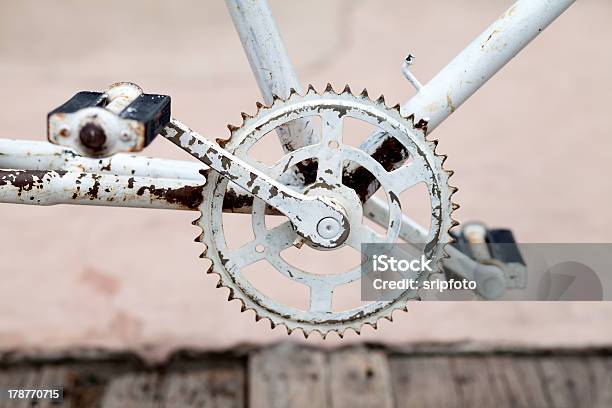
321	222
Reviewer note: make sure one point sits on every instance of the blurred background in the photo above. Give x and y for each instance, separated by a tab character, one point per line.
530	150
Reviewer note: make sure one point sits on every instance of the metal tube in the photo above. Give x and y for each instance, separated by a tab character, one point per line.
468	71
480	60
34	155
44	156
263	45
270	64
48	187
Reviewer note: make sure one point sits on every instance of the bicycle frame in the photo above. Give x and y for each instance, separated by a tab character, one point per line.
39	173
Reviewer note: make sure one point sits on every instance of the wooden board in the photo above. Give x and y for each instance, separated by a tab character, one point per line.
475	382
294	376
425	382
518	381
360	378
287	376
38	377
135	389
601	370
217	385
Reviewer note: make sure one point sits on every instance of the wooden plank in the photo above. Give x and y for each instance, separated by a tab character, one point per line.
475	383
16	378
360	378
35	377
287	376
468	381
425	382
136	389
89	383
52	376
88	379
290	376
219	385
570	380
601	369
518	380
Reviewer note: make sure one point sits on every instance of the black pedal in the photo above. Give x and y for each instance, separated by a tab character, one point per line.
100	124
499	243
495	246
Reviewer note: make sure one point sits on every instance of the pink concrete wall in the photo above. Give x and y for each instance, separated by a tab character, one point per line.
531	150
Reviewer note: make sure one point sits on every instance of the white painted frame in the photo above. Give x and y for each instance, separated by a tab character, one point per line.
435	101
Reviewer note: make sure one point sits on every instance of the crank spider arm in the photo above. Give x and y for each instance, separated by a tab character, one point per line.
320	221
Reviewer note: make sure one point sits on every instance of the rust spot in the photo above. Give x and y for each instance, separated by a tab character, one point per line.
449	101
390	154
394	199
92	193
322	184
226	163
253	177
187	196
422	124
26	180
308	169
231	200
489	38
242	203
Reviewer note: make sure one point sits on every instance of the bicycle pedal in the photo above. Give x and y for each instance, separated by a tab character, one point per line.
100	124
493	246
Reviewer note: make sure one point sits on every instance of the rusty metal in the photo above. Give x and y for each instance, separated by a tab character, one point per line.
35	155
305	212
311	168
329	155
49	187
474	66
482	59
271	65
42	156
95	131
